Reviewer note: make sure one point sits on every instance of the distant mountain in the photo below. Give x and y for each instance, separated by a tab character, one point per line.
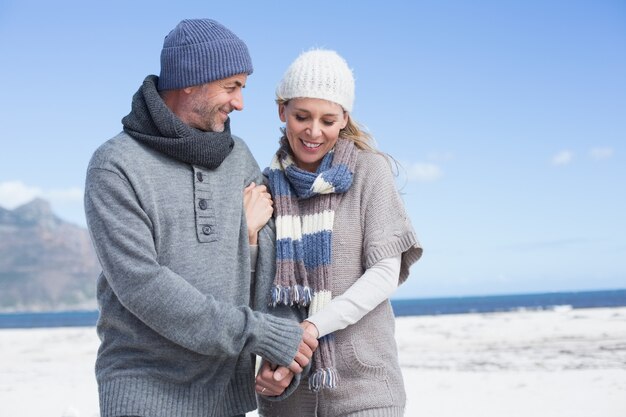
45	262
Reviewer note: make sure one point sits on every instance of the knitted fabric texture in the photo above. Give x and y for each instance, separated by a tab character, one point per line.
304	239
371	224
152	123
179	329
199	51
319	73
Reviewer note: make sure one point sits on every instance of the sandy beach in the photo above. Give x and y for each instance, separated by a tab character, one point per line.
557	363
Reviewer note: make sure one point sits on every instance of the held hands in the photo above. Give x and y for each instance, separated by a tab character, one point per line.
272	380
257	205
306	348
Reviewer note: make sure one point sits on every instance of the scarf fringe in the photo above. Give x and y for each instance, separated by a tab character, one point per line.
323	378
291	295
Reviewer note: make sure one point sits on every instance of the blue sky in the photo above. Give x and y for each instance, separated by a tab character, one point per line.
508	118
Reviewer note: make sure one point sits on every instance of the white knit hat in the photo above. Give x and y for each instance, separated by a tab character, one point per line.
319	73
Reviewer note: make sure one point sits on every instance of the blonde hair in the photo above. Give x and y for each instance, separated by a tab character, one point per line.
353	131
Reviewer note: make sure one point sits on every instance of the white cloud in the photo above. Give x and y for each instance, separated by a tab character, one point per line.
601	153
440	156
422	172
16	193
562	158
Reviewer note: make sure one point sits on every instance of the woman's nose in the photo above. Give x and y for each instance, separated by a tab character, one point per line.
314	130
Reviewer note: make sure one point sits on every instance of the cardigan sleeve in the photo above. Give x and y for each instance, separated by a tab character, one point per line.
386	226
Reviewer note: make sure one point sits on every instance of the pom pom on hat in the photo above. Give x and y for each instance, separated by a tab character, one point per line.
199	51
319	73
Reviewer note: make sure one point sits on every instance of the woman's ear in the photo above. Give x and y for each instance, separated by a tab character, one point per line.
281	112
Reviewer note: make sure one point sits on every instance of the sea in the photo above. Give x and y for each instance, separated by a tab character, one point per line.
401	307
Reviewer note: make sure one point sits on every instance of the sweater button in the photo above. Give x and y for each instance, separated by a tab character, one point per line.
199	176
203	204
206	230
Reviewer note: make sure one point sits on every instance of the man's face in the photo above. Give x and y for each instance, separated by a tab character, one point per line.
211	103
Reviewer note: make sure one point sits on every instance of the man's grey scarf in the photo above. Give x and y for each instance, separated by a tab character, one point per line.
152	123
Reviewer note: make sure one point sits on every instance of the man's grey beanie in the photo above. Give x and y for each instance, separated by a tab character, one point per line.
198	51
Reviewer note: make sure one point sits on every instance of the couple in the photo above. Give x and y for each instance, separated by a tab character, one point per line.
198	280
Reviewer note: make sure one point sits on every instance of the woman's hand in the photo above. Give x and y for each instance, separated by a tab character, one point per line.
258	207
310	328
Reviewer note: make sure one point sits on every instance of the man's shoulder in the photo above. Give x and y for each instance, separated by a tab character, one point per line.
241	158
240	144
241	149
114	151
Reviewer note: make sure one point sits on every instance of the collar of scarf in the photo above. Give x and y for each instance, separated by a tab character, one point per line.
152	123
305	204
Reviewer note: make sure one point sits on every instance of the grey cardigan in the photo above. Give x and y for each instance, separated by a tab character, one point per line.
371	224
178	334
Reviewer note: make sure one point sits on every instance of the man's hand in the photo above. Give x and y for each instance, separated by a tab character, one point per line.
272	380
257	204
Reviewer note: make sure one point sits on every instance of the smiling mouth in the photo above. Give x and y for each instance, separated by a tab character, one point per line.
310	145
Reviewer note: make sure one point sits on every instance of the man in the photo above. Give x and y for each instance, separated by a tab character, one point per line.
164	206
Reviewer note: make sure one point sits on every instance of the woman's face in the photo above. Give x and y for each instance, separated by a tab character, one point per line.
312	126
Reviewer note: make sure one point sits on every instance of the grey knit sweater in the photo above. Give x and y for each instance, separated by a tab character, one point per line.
371	224
178	334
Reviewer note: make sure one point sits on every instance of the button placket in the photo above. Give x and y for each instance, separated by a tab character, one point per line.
206	226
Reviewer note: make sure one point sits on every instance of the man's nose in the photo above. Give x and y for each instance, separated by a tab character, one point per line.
237	101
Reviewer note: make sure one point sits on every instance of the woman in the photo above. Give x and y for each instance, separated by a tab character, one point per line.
344	243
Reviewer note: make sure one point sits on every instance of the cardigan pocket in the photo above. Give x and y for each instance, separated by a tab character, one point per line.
358	365
361	376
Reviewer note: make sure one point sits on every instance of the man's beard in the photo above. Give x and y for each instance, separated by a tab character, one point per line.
211	119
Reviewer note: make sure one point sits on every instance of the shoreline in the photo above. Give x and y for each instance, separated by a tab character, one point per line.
547	363
403	307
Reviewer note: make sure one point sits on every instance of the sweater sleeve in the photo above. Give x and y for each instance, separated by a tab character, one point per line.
122	236
375	285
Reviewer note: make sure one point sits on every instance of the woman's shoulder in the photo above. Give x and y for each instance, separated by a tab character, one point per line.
373	162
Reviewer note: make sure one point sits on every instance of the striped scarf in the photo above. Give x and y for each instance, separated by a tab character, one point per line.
304	239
